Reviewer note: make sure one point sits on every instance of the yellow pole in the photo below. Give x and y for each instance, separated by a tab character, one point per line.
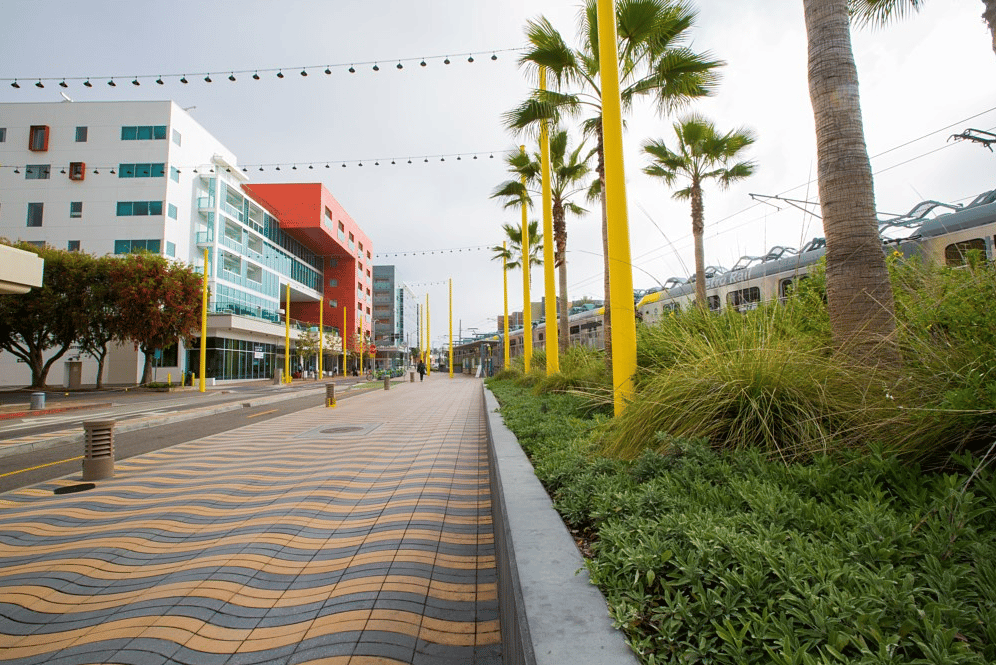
623	314
361	346
345	351
527	314
504	279
451	327
428	339
287	378
551	339
201	383
321	335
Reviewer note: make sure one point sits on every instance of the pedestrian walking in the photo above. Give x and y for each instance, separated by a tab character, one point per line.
421	370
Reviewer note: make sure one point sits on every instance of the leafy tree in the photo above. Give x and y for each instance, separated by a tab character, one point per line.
158	302
97	312
45	318
653	61
859	295
306	345
567	169
702	154
882	11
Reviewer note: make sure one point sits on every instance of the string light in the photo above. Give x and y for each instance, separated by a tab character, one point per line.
276	166
160	78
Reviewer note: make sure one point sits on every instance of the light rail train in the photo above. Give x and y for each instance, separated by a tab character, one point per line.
943	239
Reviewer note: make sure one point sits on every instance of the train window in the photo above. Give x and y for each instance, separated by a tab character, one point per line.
955	254
787	287
575	330
744	299
713	303
671	307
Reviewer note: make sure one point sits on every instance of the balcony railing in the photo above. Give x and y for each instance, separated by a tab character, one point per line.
205	203
205	237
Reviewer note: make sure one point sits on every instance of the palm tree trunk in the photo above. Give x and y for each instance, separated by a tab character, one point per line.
607	317
989	15
859	294
560	234
698	230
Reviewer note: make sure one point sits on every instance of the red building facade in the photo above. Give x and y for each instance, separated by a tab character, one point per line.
310	214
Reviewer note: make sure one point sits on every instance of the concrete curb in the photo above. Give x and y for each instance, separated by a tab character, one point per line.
550	612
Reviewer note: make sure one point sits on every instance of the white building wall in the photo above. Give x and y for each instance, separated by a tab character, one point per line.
187	147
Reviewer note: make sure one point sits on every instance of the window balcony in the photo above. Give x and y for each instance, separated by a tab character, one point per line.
205	203
205	238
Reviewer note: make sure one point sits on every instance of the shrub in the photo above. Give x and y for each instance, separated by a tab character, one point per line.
726	557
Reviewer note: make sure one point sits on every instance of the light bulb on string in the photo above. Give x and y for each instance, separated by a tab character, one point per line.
135	81
304	72
39	84
328	70
231	77
63	84
15	84
256	75
280	75
183	79
160	80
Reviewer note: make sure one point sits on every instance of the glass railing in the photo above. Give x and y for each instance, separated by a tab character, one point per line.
205	202
232	211
205	237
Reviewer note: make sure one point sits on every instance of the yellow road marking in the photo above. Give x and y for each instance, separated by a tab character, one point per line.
40	466
256	415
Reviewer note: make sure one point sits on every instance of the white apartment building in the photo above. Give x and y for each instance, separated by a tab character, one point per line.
114	177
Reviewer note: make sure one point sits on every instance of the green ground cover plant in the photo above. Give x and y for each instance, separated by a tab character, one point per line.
723	555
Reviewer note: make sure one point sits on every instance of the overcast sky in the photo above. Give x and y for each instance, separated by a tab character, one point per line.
921	81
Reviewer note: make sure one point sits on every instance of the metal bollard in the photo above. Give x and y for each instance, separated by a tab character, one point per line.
387	382
98	453
37	401
329	395
411	376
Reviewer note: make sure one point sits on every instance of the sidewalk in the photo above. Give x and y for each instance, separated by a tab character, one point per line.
359	534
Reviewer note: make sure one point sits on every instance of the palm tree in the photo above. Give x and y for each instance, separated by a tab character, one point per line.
567	169
880	12
513	252
859	295
703	154
653	61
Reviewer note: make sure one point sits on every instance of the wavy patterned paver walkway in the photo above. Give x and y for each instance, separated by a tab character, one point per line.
360	535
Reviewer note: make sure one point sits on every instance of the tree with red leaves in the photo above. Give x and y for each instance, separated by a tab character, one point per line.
158	302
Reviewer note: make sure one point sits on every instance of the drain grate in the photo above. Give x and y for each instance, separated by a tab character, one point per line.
70	489
342	430
350	430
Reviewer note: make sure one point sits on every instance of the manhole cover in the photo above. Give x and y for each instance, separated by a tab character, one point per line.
342	430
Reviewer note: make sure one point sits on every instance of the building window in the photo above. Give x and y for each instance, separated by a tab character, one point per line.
35	213
129	246
368	256
143	133
174	174
3	134
254	273
141	170
333	283
333	303
171	210
37	171
231	263
176	137
74	246
170	248
77	170
38	138
81	134
139	208
360	245
75	209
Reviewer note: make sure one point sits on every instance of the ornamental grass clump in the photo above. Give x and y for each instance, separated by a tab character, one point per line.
740	381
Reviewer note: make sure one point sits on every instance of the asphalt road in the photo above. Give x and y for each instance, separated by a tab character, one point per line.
64	459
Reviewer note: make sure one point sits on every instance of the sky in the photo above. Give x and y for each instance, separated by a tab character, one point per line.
922	80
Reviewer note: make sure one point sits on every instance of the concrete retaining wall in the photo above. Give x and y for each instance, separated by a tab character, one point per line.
550	612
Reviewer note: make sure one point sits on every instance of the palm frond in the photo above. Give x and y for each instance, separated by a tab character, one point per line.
878	13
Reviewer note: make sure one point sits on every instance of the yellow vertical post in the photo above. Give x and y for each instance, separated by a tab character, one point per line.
428	339
451	327
345	350
287	378
527	314
321	335
361	348
201	382
623	314
504	279
551	339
